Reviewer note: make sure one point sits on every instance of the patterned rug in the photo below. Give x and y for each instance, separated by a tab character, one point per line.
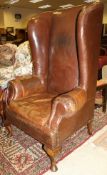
25	155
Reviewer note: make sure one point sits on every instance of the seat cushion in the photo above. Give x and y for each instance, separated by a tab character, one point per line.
34	110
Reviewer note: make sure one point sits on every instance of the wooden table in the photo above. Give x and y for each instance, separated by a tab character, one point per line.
102	85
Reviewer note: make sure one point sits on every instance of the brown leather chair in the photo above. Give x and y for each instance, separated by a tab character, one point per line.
59	98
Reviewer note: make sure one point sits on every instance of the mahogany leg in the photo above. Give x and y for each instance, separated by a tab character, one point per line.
8	127
52	154
89	127
100	74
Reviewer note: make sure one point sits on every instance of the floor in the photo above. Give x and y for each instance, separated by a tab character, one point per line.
88	159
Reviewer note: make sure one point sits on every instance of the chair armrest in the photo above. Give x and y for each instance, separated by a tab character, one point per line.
24	86
65	105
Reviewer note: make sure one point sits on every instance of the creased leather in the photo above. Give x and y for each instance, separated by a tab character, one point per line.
24	86
65	105
59	98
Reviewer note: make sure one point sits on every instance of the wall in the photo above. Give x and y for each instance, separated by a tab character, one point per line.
1	18
9	17
105	14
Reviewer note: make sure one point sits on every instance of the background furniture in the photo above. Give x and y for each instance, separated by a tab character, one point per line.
14	61
17	37
103	51
102	61
104	41
58	99
21	36
102	85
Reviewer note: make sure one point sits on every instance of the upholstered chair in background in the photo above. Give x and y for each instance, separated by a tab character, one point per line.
14	61
58	99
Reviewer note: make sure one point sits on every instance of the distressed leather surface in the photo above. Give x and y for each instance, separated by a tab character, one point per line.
59	98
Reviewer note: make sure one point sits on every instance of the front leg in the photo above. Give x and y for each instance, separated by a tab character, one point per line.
52	155
8	127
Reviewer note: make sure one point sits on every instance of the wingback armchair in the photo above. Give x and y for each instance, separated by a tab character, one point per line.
58	99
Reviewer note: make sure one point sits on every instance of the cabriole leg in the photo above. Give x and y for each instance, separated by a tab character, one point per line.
52	155
8	127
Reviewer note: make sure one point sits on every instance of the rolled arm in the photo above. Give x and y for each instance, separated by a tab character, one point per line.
65	105
24	86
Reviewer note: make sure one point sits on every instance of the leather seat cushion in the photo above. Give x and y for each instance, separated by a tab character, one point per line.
34	109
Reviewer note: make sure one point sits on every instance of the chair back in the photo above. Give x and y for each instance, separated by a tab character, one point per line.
63	61
64	46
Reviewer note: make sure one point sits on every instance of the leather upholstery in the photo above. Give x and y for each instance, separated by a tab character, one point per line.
63	54
59	98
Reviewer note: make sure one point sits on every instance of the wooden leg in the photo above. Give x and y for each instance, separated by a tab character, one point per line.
8	127
2	118
89	127
52	154
99	74
104	94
